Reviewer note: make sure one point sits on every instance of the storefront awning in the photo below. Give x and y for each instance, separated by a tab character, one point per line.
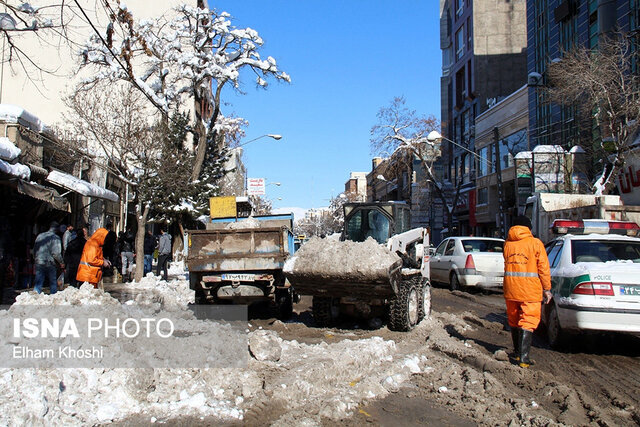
78	185
43	193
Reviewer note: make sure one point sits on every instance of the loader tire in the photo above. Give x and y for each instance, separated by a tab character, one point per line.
404	310
323	311
424	309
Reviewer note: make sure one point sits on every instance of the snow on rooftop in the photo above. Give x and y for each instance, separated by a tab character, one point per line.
15	114
548	149
523	155
8	151
80	186
18	169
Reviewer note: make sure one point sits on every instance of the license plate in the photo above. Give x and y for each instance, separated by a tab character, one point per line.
239	277
630	290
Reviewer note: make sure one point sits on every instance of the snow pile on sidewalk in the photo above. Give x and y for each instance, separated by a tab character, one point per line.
169	294
85	295
330	258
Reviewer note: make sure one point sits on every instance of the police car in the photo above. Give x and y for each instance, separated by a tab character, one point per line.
595	278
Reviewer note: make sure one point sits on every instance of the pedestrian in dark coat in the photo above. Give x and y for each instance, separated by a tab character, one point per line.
72	256
149	247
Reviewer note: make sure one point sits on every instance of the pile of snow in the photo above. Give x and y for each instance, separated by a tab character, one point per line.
330	258
172	294
85	295
18	169
8	151
250	222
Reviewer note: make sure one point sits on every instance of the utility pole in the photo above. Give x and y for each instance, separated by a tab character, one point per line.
501	213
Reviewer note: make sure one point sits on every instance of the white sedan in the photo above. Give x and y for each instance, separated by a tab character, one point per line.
468	261
595	278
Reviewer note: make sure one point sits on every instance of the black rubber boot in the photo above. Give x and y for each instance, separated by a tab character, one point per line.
525	348
515	337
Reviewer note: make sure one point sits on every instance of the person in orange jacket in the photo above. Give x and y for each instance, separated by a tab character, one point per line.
92	261
527	283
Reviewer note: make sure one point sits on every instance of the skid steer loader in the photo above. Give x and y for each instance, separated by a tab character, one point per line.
399	289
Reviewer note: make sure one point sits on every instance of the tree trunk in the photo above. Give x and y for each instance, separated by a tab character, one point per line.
141	215
203	132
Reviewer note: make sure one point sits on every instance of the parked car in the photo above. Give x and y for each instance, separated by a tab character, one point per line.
468	261
595	278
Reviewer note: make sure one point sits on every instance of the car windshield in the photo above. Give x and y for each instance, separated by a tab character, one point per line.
604	250
482	245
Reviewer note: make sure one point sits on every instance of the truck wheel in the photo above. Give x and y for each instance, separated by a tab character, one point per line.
454	283
284	301
424	309
404	310
555	335
324	311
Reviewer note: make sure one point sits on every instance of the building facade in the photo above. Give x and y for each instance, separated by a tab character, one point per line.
556	26
483	45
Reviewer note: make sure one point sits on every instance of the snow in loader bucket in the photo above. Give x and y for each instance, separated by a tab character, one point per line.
323	267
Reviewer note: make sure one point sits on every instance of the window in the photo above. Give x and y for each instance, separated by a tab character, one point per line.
460	43
553	254
604	250
483	167
450	247
483	196
466	167
440	249
512	145
461	88
482	245
459	8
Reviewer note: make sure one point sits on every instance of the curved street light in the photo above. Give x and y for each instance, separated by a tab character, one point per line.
434	136
270	135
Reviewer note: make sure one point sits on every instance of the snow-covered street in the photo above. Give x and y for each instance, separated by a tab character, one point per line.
301	375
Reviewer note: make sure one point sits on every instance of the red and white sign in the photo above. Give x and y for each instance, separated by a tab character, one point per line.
255	187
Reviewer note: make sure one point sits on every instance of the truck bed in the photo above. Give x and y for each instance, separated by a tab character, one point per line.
226	250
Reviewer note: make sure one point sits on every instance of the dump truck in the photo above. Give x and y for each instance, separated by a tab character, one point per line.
544	208
240	260
378	268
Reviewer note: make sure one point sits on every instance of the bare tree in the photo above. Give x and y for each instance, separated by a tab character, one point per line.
604	87
261	205
401	134
116	123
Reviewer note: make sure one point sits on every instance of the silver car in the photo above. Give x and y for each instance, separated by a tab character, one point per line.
468	261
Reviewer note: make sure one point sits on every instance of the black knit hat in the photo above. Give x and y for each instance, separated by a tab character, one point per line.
522	220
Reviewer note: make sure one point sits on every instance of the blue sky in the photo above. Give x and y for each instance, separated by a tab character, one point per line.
346	59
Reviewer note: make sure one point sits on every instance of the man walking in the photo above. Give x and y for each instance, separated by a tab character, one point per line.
149	247
72	256
527	282
127	241
48	252
164	252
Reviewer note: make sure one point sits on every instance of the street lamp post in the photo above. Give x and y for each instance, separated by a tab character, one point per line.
270	135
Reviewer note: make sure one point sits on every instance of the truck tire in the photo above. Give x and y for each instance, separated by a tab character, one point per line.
424	309
324	311
284	303
404	310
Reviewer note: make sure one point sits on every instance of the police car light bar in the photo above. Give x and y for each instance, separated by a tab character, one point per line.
597	226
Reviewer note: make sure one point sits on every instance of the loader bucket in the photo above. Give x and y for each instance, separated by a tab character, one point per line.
381	284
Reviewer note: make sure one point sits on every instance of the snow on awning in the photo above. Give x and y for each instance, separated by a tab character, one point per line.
8	151
78	185
18	169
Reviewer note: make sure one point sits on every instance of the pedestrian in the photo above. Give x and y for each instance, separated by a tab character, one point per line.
48	252
527	283
126	241
149	247
92	261
68	235
109	249
73	254
164	252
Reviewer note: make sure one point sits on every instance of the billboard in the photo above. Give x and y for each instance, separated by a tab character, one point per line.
255	187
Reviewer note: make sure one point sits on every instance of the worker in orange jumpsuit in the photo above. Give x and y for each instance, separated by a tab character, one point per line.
527	283
92	261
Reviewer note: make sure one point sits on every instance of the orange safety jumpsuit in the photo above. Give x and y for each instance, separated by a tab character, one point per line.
92	260
526	275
